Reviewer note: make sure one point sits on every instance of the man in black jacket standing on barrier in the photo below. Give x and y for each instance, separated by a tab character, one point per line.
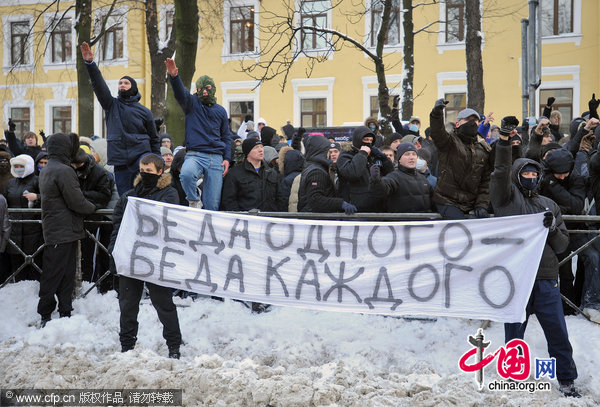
151	183
514	191
63	207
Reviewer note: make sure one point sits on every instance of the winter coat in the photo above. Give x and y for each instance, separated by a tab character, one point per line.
162	192
206	127
5	174
63	203
95	183
408	191
354	177
17	147
130	127
244	188
4	224
316	191
28	236
463	168
509	198
293	163
568	193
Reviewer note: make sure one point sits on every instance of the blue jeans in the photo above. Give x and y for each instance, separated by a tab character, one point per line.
546	304
196	164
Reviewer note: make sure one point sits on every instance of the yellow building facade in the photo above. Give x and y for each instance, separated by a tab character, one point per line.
38	85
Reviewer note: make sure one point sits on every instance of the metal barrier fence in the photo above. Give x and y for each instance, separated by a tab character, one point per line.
592	222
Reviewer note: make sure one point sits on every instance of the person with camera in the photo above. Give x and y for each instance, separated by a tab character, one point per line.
354	172
514	191
463	165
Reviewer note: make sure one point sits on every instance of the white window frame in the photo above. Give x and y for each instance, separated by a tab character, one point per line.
226	55
121	14
19	103
72	63
298	43
50	104
442	45
573	83
236	96
369	90
300	94
6	22
368	18
575	36
162	23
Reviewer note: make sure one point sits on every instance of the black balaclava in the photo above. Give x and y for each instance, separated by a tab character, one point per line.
201	83
131	91
530	184
467	132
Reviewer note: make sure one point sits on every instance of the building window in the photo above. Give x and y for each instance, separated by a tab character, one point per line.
169	21
241	25
374	103
393	34
455	20
60	40
21	118
239	110
457	102
61	119
314	14
557	17
313	112
112	41
563	103
19	32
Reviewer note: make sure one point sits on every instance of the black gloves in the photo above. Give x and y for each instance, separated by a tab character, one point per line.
349	208
158	122
508	124
550	101
593	105
375	172
481	212
439	106
396	101
549	221
43	135
377	153
11	126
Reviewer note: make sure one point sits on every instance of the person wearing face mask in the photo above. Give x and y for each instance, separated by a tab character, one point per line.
207	139
407	190
130	128
354	172
22	191
463	165
424	157
514	191
373	125
40	162
154	184
63	209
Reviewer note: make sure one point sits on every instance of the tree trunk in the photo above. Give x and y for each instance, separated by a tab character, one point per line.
383	92
408	61
475	91
85	94
158	102
186	45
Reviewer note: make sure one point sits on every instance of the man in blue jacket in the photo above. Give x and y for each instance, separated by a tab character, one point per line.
130	127
207	139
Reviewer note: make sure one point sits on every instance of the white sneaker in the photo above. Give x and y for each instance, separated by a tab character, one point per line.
195	204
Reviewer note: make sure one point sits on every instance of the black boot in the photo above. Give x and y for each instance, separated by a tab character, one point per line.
174	352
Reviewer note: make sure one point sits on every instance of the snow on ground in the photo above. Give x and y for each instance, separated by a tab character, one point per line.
287	357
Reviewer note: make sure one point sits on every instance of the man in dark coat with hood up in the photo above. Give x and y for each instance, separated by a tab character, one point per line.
63	207
463	168
317	192
130	127
514	191
354	172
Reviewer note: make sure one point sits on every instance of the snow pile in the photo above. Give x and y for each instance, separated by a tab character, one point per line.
287	357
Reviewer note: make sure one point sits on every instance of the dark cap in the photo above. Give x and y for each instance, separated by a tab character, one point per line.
249	144
403	148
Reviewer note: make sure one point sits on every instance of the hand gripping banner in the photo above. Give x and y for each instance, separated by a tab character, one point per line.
480	268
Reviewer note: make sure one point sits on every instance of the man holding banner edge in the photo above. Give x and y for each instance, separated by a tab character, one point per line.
514	191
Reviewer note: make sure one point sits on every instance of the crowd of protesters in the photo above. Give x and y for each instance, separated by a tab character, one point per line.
469	168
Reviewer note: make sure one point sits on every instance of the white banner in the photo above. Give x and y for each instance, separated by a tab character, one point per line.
480	268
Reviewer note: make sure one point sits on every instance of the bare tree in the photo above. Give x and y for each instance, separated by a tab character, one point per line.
186	46
475	90
159	51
